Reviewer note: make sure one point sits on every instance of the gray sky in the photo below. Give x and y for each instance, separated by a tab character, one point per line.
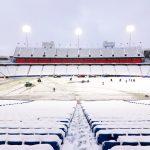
57	19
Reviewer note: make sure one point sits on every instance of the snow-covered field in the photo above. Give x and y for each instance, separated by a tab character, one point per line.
96	89
80	114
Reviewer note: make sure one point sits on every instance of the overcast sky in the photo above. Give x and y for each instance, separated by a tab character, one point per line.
57	19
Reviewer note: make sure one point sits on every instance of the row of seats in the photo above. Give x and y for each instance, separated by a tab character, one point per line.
45	70
130	148
52	140
117	124
26	147
73	53
3	103
44	123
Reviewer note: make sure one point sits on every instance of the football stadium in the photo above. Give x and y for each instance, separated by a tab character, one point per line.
68	93
63	98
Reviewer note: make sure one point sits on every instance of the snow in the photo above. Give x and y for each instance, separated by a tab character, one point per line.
97	89
80	136
131	148
114	103
25	147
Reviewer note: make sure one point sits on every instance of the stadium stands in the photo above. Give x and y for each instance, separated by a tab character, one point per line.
3	71
98	70
12	70
48	70
122	70
83	52
82	55
109	70
84	70
60	70
26	147
35	70
22	70
50	52
134	70
44	125
118	124
145	70
72	70
39	127
131	148
62	53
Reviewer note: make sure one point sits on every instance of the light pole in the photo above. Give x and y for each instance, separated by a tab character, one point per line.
26	29
78	32
130	29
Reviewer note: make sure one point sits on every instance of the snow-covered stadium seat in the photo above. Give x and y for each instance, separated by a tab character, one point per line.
122	70
3	71
96	70
62	53
96	53
48	70
45	70
22	70
12	70
84	70
84	53
73	70
130	147
39	125
35	70
121	126
60	70
37	52
132	52
134	70
119	52
145	70
26	147
50	52
107	52
24	52
72	53
108	70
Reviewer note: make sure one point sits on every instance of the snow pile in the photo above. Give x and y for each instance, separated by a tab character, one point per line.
80	136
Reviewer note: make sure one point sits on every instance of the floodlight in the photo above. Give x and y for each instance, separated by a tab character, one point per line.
130	28
78	31
26	29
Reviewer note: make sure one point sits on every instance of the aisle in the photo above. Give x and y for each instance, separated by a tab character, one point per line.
80	136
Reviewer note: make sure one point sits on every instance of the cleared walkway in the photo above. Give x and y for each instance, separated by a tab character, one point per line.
80	136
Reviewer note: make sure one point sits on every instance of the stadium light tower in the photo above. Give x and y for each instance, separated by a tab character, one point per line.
130	29
78	32
26	29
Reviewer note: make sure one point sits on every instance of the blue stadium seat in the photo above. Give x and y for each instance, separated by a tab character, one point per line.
109	144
